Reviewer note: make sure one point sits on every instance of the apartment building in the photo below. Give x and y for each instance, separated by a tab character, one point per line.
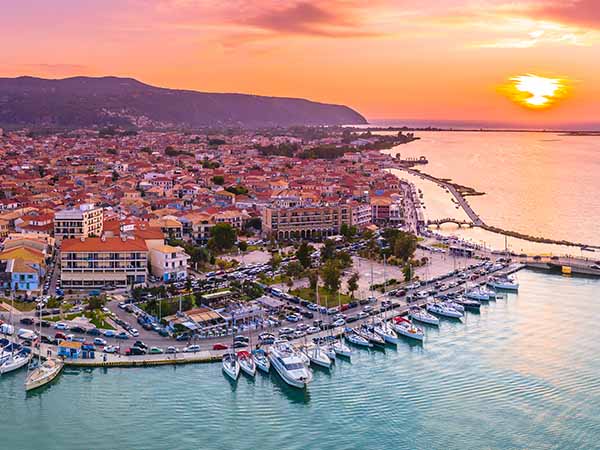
305	222
81	221
168	263
95	263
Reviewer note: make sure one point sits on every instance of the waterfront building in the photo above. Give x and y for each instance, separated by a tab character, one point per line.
95	263
82	221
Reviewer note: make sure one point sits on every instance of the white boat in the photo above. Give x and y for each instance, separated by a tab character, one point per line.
43	374
318	356
329	351
261	360
289	364
342	349
386	332
247	363
406	328
442	310
508	283
231	366
423	316
479	294
373	338
454	305
15	361
356	339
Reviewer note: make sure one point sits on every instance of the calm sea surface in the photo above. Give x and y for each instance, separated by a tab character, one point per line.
521	374
541	184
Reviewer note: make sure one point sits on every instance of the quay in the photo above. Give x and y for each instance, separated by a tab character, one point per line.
565	269
108	360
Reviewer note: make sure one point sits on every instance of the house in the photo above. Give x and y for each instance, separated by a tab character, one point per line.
169	263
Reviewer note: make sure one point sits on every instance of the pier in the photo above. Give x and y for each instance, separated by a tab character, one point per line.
457	222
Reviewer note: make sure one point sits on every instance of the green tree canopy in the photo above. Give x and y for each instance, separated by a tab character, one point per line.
223	236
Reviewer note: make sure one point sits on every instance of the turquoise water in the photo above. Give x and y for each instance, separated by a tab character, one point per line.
524	373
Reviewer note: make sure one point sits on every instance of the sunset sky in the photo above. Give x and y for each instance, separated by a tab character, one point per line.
409	59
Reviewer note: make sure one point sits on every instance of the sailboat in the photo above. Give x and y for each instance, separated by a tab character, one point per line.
261	360
45	372
231	365
316	354
16	358
246	359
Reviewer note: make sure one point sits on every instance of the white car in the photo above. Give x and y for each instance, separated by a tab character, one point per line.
192	349
61	326
134	332
111	349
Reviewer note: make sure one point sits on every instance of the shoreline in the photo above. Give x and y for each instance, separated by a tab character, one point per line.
457	190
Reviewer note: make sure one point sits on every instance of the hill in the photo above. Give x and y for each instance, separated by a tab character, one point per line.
111	101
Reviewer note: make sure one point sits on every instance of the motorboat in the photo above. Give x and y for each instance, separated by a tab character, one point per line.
231	366
15	361
317	356
406	328
386	331
354	338
43	374
289	364
261	360
508	283
423	316
443	310
247	364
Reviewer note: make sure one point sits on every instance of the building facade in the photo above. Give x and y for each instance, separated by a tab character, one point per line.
95	263
305	222
169	263
83	221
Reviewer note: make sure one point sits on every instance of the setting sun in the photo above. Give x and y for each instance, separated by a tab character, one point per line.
536	92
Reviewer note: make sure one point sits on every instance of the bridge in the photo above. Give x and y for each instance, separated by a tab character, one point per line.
457	222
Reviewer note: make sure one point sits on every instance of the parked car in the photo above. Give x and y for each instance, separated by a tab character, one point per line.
111	349
100	341
156	351
172	350
109	333
61	326
26	321
219	346
140	344
135	351
94	332
192	349
122	335
60	335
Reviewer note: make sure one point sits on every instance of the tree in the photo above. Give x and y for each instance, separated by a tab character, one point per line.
407	271
294	269
218	179
348	231
223	236
275	261
353	284
115	176
328	250
243	246
331	276
303	254
405	246
344	259
313	279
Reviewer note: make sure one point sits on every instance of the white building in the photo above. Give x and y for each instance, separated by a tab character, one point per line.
168	263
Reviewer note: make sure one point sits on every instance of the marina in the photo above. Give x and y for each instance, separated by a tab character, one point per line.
519	365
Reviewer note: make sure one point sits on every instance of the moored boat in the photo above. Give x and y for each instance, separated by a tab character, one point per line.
15	361
468	303
317	356
247	364
508	283
261	360
289	364
231	366
341	349
423	316
443	310
354	338
386	331
43	374
406	328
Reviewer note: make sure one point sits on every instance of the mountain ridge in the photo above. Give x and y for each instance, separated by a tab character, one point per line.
81	101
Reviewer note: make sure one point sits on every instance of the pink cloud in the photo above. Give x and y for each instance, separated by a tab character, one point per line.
584	13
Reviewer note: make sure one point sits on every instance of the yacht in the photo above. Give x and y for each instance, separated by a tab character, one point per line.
442	310
43	374
406	328
386	332
452	304
231	366
261	360
508	283
317	356
289	364
354	338
15	361
423	316
247	364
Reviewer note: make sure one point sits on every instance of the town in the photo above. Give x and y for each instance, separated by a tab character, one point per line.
190	243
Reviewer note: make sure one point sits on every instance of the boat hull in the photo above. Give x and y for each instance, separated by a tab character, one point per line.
35	380
9	366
